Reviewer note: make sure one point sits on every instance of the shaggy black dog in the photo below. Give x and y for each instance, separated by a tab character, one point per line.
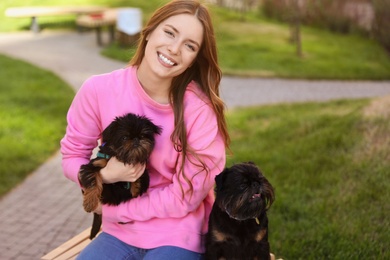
130	139
238	226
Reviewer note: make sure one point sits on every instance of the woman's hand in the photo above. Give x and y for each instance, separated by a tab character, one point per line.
116	171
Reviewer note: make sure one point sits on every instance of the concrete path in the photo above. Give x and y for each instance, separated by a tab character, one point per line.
45	210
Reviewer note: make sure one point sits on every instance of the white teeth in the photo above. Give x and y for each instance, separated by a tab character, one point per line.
166	60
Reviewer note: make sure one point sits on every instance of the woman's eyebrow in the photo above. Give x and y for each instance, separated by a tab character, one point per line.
176	31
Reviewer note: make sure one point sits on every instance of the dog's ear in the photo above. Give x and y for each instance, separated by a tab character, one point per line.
157	129
109	131
250	163
220	179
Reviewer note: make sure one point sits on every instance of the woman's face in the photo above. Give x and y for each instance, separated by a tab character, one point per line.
173	46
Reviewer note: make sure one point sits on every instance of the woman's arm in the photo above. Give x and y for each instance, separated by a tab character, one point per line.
82	132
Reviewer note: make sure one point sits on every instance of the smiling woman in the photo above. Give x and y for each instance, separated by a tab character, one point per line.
173	79
33	103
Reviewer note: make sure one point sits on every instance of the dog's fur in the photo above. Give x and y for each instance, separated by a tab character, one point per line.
130	139
238	225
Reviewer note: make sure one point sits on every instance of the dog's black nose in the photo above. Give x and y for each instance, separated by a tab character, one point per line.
255	185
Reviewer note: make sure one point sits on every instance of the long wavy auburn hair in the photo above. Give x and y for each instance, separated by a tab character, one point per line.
205	71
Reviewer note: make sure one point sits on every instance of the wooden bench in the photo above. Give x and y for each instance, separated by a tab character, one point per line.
35	11
97	21
71	248
110	19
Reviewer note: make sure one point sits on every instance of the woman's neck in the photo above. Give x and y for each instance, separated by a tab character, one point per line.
156	88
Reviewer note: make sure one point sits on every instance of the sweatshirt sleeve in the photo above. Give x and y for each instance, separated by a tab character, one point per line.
170	201
82	131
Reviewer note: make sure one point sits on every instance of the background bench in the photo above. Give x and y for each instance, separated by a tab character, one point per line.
97	21
128	22
34	12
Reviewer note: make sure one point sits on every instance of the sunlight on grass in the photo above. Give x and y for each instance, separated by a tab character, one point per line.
33	106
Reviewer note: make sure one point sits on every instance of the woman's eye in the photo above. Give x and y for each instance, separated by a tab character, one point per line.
192	48
169	33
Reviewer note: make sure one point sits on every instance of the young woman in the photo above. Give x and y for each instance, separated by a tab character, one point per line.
173	79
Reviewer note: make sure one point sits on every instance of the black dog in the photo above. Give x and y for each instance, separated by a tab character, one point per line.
130	139
238	226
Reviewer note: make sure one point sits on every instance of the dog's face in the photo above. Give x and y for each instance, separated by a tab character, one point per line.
243	192
131	138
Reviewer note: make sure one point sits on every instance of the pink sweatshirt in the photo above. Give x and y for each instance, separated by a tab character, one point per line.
162	216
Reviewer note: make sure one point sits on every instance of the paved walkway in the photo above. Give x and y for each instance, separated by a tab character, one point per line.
45	210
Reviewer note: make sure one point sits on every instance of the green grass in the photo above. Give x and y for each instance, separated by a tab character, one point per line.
266	51
254	47
330	168
33	106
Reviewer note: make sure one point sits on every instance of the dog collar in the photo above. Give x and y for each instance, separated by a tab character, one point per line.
127	185
231	216
103	155
106	156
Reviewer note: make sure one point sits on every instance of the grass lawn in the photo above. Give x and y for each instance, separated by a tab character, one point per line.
329	163
254	47
33	106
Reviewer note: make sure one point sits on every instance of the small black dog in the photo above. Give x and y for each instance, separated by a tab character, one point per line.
238	226
130	139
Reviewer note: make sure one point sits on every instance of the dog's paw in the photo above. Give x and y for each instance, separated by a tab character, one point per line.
90	200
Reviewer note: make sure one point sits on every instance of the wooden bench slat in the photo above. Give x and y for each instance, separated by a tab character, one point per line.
74	251
80	238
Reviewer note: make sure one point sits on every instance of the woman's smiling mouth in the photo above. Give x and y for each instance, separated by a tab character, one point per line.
165	60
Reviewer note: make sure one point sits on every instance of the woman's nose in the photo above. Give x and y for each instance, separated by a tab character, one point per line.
174	47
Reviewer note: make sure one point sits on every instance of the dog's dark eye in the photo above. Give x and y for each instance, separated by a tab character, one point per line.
242	186
124	138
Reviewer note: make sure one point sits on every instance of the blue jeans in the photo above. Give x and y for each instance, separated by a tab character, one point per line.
106	247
